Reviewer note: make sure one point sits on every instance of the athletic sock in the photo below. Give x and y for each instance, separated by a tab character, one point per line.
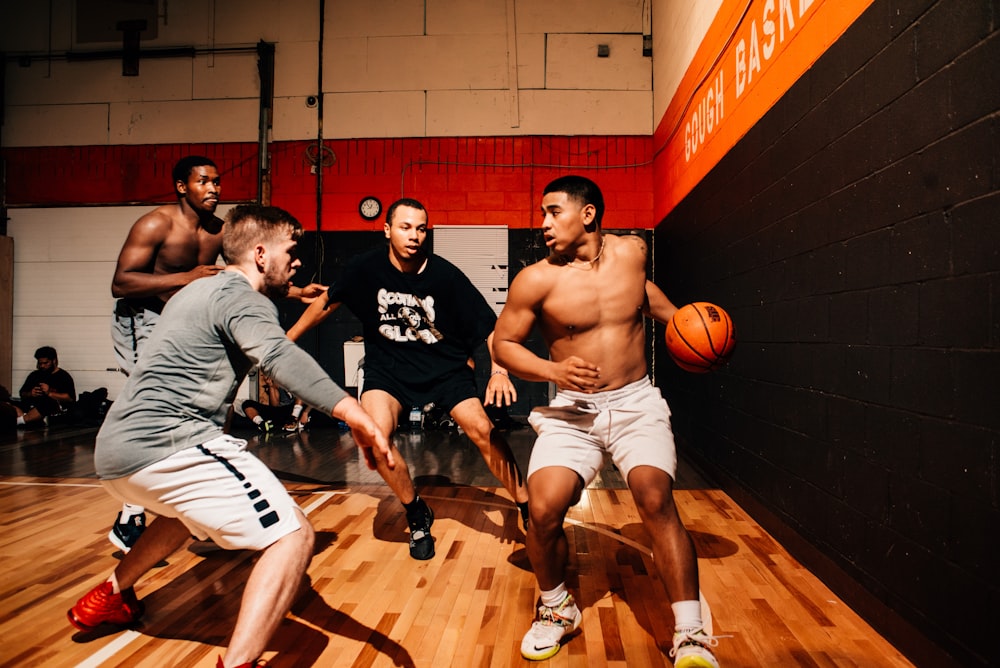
296	411
416	508
129	511
20	419
554	597
258	419
687	615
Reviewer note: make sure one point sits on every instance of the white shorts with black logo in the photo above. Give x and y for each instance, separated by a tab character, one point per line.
631	423
219	491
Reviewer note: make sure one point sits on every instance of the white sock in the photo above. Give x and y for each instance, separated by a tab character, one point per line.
296	411
554	597
20	419
129	511
687	615
258	419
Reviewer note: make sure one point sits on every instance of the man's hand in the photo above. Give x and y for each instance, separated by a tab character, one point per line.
500	390
308	294
366	433
203	270
576	374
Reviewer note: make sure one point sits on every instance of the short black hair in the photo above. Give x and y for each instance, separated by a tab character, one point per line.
182	170
580	189
48	352
404	201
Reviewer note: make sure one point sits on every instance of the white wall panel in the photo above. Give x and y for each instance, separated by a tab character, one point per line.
374	115
679	26
64	288
226	75
577	16
295	69
586	112
572	62
293	120
208	121
455	113
530	60
64	260
68	235
466	17
99	82
374	17
455	49
298	20
419	63
62	125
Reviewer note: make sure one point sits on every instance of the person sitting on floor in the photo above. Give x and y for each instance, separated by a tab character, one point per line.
47	391
282	410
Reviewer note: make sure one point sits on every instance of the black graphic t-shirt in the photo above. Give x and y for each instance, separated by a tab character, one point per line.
417	327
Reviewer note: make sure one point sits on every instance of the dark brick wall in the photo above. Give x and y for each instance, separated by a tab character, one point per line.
853	235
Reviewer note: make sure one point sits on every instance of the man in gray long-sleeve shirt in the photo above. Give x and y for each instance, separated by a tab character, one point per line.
162	444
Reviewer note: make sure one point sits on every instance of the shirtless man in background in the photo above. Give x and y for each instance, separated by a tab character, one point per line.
167	248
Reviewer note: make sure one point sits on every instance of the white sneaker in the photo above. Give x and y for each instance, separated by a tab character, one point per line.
543	638
692	649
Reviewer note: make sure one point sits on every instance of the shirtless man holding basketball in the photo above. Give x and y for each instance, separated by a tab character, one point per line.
166	249
588	299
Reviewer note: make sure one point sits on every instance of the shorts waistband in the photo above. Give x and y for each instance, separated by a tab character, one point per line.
607	397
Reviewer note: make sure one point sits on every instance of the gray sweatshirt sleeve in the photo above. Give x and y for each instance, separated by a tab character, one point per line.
254	328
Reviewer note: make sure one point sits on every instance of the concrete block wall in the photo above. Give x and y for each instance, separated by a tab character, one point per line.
853	236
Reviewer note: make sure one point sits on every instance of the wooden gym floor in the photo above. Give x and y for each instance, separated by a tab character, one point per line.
369	604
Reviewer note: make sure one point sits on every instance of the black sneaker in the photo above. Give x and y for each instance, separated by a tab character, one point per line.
421	541
267	427
124	536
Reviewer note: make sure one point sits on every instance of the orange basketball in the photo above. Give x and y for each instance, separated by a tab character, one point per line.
700	337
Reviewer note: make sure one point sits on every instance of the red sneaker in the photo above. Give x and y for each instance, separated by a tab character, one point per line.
251	664
101	606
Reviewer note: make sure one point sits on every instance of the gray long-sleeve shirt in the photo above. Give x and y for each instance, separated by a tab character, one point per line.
211	333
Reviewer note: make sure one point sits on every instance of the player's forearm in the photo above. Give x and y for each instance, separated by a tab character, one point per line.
496	366
317	312
521	362
658	306
140	284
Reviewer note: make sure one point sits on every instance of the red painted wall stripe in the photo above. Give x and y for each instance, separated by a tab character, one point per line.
462	181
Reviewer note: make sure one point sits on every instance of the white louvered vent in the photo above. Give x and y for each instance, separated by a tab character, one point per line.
480	251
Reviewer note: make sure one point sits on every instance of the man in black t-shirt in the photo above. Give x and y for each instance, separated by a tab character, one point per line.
48	390
422	321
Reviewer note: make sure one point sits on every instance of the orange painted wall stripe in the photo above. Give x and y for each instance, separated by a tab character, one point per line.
752	54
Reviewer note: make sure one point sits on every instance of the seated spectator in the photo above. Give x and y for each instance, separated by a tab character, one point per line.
282	410
47	391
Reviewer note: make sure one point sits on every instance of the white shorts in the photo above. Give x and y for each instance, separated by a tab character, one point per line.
631	423
219	491
129	333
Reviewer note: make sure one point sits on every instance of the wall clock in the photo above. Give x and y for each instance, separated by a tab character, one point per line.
370	208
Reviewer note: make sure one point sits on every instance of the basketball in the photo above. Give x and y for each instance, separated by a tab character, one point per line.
700	337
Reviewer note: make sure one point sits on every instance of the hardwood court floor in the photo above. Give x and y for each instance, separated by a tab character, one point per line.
368	604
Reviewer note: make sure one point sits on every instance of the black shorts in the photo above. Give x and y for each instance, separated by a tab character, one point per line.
445	392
